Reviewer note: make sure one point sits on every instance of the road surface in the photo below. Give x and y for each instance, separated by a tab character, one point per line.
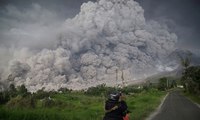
177	107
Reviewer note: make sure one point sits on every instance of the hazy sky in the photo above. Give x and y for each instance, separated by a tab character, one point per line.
181	16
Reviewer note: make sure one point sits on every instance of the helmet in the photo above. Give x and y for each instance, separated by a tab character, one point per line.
114	96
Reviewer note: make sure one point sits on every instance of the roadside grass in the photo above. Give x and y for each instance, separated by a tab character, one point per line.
78	106
71	106
193	97
143	104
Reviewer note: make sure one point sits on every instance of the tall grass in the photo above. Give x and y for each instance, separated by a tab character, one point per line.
70	106
79	106
142	104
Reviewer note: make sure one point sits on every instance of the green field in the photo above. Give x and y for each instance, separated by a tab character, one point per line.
79	106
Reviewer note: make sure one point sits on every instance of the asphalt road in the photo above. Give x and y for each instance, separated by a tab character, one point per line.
177	107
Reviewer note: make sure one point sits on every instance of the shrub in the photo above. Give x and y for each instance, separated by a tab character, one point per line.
47	102
131	89
64	90
41	94
22	102
99	90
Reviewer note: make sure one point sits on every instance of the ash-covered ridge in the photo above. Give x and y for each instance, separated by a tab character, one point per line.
108	39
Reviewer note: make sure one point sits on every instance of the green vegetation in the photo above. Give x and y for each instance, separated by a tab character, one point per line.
60	106
193	97
162	85
166	83
142	104
190	76
75	105
191	80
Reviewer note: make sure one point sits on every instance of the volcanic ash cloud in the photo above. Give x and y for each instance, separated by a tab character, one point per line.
106	39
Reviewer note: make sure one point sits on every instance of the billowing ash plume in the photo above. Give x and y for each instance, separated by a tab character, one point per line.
107	42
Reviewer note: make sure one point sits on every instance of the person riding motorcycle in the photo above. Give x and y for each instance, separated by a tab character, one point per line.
115	107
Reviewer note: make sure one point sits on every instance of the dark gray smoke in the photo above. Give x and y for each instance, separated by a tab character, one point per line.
104	40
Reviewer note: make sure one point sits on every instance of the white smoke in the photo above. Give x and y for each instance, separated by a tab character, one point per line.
106	40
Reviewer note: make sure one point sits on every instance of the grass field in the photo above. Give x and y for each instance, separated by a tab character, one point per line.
78	106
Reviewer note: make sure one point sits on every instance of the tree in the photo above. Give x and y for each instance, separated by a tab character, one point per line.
173	84
192	76
22	90
22	102
185	60
12	90
162	85
4	97
41	94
